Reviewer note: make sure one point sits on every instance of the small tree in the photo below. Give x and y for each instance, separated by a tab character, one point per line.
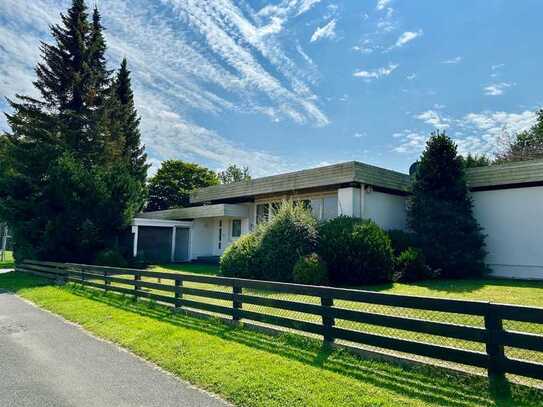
174	181
474	161
234	174
526	145
440	212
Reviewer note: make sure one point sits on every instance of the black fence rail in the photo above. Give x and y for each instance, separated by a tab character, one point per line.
238	295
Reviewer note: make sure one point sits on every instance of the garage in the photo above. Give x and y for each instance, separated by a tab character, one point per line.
161	241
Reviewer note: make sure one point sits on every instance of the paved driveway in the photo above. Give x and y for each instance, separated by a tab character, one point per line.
45	361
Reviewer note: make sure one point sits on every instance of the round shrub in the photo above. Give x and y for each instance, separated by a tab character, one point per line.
239	258
271	252
356	251
291	233
401	240
310	269
410	266
111	258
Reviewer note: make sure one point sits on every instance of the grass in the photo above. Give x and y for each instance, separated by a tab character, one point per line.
194	268
8	261
253	369
495	290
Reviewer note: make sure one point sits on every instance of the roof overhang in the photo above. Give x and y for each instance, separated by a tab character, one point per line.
348	173
139	221
196	212
510	175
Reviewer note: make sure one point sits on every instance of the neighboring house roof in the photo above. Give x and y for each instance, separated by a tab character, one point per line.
509	174
206	211
331	175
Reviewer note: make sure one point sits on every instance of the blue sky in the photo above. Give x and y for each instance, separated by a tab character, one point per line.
288	84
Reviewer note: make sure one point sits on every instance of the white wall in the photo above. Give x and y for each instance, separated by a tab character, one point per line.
202	237
387	210
513	222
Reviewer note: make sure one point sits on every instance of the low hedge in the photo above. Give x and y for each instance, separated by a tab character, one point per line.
310	270
356	251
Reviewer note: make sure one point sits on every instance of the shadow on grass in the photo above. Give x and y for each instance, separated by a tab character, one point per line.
433	385
462	285
195	268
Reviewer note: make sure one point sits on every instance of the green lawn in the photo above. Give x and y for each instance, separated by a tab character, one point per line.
252	369
8	261
495	290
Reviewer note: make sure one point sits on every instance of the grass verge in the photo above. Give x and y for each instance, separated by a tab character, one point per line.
7	262
253	369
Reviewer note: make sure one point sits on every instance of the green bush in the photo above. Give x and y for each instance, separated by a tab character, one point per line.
401	240
111	258
410	266
271	252
238	259
356	251
310	269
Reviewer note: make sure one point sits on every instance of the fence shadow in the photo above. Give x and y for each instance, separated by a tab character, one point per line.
433	385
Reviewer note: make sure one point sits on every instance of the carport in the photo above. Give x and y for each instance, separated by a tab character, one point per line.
162	241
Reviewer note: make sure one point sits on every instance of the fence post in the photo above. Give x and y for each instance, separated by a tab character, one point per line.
178	294
328	322
237	303
494	347
137	278
106	281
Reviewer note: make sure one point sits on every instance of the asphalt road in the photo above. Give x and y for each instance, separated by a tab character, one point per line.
45	361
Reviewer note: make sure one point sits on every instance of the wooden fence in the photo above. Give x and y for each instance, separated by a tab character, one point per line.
492	335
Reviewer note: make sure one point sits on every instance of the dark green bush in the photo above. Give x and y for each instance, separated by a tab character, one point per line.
310	269
111	258
401	240
356	251
271	252
410	266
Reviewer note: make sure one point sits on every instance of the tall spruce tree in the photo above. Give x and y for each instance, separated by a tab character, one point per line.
63	196
128	120
440	212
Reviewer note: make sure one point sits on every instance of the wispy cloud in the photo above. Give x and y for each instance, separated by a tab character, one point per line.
406	37
382	4
433	118
411	76
376	73
455	60
186	56
497	89
476	133
328	31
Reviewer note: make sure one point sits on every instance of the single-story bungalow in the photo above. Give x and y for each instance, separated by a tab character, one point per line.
508	204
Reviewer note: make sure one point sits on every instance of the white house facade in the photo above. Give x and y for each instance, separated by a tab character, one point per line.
508	203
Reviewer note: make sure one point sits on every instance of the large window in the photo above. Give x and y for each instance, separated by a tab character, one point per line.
262	213
236	227
329	209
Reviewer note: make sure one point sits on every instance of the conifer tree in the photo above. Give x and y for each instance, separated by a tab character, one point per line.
440	212
132	150
63	195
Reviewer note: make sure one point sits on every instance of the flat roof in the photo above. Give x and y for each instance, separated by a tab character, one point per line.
509	174
330	175
494	176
